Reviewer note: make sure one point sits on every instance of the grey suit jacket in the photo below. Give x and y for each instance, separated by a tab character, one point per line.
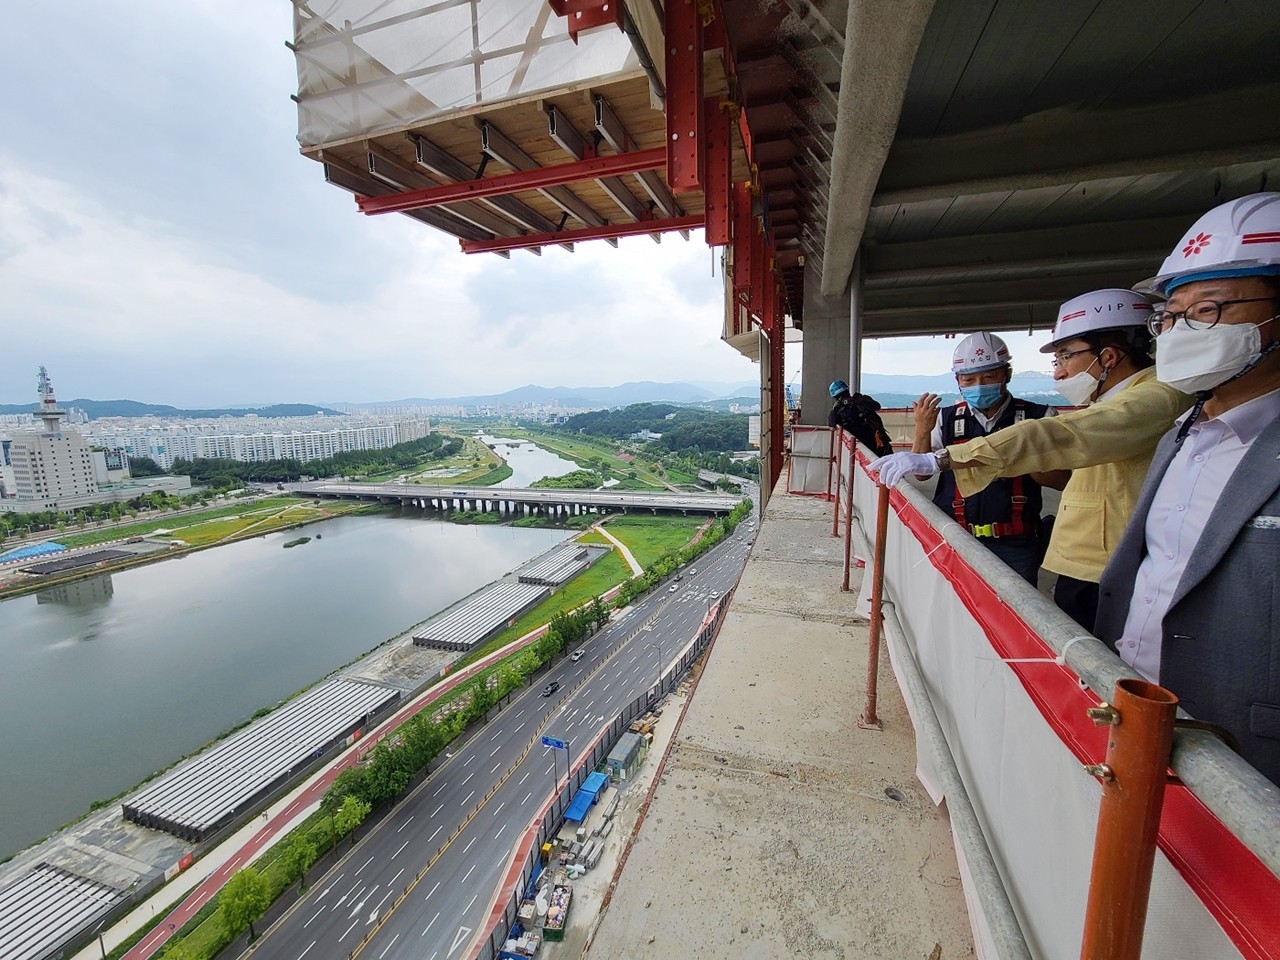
1221	636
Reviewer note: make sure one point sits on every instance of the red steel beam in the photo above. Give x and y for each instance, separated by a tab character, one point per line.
683	32
742	230
607	232
718	172
635	161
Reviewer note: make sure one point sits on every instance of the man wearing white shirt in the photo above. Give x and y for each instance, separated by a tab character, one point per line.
1188	598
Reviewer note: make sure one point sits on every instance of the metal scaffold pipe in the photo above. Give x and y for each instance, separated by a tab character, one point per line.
1133	781
869	720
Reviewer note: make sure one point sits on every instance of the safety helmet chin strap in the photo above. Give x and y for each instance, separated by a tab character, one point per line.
1203	395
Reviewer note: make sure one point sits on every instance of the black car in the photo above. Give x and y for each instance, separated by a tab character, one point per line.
551	688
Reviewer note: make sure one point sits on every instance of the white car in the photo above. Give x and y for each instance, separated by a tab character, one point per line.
714	595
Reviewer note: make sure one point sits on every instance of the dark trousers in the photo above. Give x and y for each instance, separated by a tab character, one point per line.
1023	554
1078	599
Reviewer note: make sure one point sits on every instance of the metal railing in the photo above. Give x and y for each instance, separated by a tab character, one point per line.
1240	798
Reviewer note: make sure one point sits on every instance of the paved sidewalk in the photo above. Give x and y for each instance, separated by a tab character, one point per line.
636	569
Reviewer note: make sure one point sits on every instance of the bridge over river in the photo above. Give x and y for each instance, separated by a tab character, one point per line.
519	502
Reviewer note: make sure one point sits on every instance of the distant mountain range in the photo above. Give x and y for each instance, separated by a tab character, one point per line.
892	390
133	408
644	391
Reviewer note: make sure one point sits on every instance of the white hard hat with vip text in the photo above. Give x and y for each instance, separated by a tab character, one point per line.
1098	310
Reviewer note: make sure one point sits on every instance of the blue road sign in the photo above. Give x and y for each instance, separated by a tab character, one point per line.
554	743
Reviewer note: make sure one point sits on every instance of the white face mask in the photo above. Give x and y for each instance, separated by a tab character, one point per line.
1193	360
1078	389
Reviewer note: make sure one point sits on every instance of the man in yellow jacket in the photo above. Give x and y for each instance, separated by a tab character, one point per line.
1101	358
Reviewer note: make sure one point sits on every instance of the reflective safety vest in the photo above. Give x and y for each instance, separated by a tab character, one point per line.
1009	506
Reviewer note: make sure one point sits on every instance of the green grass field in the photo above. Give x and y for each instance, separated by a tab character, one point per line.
648	538
261	508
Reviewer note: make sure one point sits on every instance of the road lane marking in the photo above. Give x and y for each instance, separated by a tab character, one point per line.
428	926
406	823
348	930
549	769
496	735
400	851
524	778
437	810
469	776
468	847
469	759
363	865
520	714
433	836
306	951
526	798
469	796
495	751
500	806
467	874
396	877
389	946
496	768
428	897
313	916
499	833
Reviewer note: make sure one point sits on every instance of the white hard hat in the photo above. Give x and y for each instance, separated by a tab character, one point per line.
1236	239
1099	310
979	352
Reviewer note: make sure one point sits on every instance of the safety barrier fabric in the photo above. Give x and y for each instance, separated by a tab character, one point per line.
367	67
1015	722
810	470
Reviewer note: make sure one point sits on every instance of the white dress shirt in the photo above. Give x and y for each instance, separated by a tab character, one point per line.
1187	494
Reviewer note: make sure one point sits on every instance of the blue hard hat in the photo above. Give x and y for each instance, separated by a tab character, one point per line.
838	387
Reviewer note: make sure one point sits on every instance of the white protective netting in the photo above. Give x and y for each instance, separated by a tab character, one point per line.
1037	806
367	67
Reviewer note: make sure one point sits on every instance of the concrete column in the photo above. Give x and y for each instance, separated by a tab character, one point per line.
855	325
826	348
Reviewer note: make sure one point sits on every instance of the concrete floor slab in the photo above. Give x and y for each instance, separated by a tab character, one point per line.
775	830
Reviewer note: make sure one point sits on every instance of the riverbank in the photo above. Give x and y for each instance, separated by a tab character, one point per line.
153	540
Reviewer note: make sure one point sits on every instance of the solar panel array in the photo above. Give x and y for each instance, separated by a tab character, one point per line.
558	566
468	624
41	909
197	798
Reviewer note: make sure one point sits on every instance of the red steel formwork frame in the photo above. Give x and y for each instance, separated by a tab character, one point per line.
718	172
586	14
635	161
628	229
683	35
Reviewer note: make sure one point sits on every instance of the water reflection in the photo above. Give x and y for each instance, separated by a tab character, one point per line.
181	652
90	592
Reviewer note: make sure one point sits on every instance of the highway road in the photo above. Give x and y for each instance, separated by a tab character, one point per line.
461	824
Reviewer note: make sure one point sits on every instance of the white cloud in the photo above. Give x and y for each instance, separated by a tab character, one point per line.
139	308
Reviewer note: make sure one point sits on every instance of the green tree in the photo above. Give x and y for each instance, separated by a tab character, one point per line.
350	815
299	853
243	900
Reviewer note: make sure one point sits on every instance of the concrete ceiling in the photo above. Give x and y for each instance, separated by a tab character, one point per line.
991	158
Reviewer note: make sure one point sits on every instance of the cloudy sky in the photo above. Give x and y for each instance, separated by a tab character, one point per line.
162	239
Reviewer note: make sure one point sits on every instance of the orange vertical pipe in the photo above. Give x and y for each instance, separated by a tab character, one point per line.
848	515
835	497
869	718
1124	850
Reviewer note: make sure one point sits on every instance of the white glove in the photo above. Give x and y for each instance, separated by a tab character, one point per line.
891	469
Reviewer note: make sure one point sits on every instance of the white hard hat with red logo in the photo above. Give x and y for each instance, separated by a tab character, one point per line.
1236	239
979	352
1098	310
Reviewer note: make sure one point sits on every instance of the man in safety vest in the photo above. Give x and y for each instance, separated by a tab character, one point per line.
1005	515
1101	361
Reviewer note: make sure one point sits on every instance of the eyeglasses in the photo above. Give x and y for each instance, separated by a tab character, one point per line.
1061	359
1201	315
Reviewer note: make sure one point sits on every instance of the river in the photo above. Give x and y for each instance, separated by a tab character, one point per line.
109	679
528	463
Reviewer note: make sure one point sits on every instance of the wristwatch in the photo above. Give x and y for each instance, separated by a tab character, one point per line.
943	458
